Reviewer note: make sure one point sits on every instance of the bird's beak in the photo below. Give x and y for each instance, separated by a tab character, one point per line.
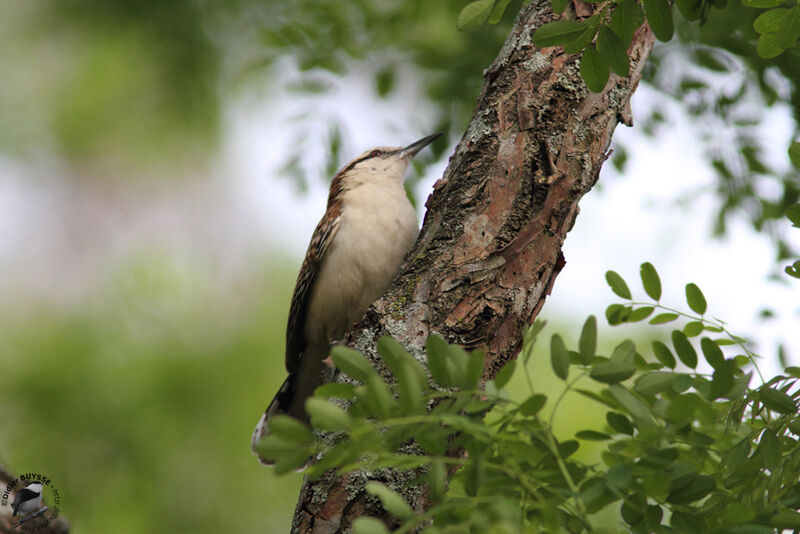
413	148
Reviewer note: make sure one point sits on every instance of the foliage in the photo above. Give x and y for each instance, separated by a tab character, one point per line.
687	446
139	400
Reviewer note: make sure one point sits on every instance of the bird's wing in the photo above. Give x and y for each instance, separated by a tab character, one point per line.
22	496
320	242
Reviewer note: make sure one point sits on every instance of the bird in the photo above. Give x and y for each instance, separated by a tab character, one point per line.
355	252
27	499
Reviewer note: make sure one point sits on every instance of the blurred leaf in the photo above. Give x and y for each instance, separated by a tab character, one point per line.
690	9
587	344
533	404
474	15
559	357
770	449
327	416
352	363
369	525
653	383
620	423
592	435
777	400
504	375
438	361
619	367
794	155
497	12
393	502
290	429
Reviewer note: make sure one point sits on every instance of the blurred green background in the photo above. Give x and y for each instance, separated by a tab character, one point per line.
161	168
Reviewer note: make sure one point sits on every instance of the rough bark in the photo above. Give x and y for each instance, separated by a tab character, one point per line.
490	246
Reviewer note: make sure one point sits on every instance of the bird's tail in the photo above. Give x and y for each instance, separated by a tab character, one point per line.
280	405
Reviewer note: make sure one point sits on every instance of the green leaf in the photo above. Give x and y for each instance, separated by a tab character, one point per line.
559	357
712	352
442	370
651	282
626	19
291	460
437	480
290	429
640	314
505	374
793	211
794	155
684	348
619	422
352	363
634	406
379	397
336	390
737	455
581	41
474	15
327	416
393	502
594	71
690	9
473	475
617	314
769	21
497	12
592	435
663	318
693	328
533	404
619	367
653	383
663	354
474	371
369	525
777	400
701	486
412	382
762	3
789	31
786	519
659	16
770	449
272	447
587	345
617	284
559	32
768	47
559	5
723	378
695	299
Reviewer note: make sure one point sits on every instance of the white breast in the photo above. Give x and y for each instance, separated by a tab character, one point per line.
378	227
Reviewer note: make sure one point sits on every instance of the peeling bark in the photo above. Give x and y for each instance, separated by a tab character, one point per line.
490	246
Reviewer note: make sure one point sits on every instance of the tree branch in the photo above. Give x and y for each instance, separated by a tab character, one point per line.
490	246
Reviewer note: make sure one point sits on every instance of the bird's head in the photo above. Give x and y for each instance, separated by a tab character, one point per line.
35	487
388	163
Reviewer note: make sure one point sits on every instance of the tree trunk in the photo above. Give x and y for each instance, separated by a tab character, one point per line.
490	246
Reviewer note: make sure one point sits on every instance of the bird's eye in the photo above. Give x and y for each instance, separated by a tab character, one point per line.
375	153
